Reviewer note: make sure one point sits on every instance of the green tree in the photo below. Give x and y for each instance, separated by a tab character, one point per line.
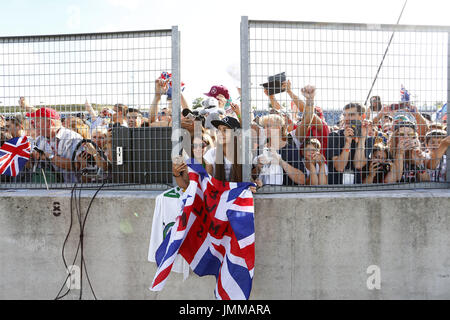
197	103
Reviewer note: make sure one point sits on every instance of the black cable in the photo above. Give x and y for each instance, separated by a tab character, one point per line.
83	226
64	245
384	56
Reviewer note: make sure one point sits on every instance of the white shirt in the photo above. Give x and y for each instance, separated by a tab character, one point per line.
62	145
167	208
210	158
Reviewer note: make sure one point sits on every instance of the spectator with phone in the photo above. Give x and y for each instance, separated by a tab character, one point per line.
437	143
408	159
379	165
349	148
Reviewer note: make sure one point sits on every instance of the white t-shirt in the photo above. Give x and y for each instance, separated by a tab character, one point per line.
167	208
99	123
210	158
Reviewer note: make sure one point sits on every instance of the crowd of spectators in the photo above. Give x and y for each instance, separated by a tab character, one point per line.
373	145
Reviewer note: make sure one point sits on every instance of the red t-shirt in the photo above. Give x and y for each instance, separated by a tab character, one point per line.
321	135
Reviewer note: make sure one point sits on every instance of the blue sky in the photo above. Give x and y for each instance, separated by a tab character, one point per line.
209	29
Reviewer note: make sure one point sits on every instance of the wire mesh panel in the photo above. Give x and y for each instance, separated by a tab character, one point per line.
338	106
87	109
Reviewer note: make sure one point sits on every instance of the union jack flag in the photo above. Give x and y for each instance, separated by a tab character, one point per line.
404	94
168	78
14	154
214	233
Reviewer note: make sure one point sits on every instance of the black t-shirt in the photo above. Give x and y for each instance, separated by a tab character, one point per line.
291	155
336	143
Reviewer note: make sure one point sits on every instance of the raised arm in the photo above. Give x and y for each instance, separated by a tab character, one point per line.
91	110
23	103
160	88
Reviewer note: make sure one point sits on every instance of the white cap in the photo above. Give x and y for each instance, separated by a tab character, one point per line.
210	103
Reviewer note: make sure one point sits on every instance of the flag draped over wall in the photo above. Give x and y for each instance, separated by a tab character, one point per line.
215	234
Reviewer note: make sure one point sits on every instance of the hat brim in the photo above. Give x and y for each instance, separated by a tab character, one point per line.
217	123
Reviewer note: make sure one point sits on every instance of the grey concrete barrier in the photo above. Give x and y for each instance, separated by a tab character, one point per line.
366	245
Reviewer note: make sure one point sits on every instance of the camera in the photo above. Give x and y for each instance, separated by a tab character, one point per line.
356	126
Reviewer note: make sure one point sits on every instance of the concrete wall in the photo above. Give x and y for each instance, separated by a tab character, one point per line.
308	246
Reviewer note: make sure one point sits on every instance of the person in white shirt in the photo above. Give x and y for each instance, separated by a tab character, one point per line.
56	142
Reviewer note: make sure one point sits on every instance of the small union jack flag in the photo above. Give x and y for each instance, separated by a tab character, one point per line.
404	94
14	154
168	78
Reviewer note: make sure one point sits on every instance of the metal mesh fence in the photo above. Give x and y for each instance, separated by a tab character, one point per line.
337	106
96	109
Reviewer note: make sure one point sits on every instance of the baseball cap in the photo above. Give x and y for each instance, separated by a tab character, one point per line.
48	113
210	103
216	90
230	122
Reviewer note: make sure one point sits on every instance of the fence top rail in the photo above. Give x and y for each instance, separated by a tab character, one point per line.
83	36
353	26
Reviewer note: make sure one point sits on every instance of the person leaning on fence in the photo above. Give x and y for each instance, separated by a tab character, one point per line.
280	162
134	118
119	116
217	163
199	146
348	151
15	126
408	158
4	134
437	143
315	163
56	143
378	166
79	126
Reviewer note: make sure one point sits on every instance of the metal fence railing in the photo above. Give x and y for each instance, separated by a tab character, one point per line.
323	107
96	108
333	106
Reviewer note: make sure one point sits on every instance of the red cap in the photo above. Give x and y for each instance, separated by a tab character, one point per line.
44	113
216	90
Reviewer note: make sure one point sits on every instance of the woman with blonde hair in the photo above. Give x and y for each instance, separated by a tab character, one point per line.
281	153
78	125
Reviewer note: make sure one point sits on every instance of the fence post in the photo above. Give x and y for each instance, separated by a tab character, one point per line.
245	102
176	93
448	100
